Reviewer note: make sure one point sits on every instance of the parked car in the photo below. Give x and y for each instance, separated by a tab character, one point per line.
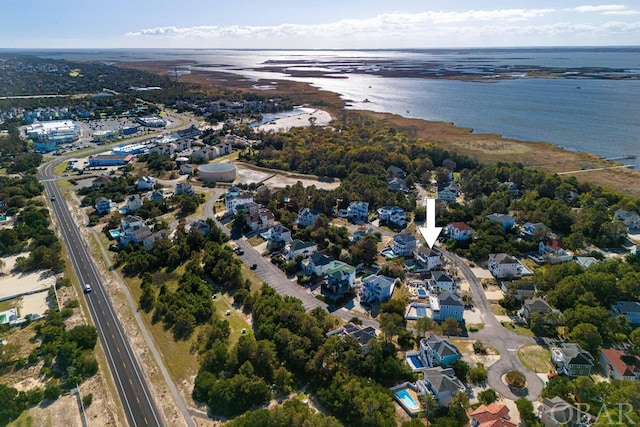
254	266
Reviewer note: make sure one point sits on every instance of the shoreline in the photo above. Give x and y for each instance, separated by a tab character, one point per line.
485	147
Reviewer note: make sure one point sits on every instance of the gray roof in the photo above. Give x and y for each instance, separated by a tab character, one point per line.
441	276
443	380
628	306
501	218
299	244
405	238
319	258
537	304
442	346
505	259
575	355
450	299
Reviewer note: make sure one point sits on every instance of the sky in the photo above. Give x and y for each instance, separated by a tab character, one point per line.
322	24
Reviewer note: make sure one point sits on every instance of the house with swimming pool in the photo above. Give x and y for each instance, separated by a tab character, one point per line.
434	351
443	384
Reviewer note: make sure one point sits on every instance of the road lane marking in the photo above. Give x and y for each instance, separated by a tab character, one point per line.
130	382
145	420
138	399
112	336
118	348
125	365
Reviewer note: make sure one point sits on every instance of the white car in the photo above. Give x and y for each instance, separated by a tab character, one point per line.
87	288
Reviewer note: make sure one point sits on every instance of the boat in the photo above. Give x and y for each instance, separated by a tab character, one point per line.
366	100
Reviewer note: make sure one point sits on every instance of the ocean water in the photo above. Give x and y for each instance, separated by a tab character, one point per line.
598	116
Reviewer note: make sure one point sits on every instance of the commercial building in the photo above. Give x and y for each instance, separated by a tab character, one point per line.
109	160
48	135
217	172
152	121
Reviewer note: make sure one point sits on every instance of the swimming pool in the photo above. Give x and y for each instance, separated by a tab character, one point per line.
421	311
407	400
422	293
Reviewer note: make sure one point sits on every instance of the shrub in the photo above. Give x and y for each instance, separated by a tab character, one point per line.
516	379
87	399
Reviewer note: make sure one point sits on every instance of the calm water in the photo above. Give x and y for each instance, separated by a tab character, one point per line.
599	116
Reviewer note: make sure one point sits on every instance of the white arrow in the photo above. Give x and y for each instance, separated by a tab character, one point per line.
431	232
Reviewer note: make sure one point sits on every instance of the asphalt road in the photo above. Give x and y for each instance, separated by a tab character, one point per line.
134	393
504	340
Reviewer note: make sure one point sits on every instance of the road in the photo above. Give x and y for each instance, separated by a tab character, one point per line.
134	393
276	278
496	335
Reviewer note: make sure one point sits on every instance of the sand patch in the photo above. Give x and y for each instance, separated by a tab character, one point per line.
18	283
306	119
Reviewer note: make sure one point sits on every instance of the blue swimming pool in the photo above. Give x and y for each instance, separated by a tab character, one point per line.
415	361
421	311
407	400
422	293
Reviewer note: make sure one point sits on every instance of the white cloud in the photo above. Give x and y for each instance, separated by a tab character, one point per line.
622	12
389	24
599	8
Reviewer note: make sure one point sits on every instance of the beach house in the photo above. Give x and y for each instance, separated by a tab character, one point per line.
459	231
440	281
503	266
571	360
445	305
427	258
629	309
146	183
317	264
376	289
619	365
358	212
404	244
443	383
307	217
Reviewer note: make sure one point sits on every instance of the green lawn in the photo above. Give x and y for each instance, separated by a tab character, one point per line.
535	358
236	319
60	168
518	329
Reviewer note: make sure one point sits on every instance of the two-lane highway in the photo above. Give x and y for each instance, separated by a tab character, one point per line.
136	398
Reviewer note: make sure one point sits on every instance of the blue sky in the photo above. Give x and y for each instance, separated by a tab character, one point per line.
316	25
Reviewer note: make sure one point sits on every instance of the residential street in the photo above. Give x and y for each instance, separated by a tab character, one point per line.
494	334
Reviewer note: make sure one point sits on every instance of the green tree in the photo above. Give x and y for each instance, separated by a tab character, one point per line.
478	373
391	324
527	416
450	326
424	325
461	369
587	336
487	396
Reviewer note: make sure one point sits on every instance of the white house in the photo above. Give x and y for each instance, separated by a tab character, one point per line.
448	192
443	383
298	248
376	288
504	266
427	258
441	282
146	183
184	188
404	244
257	217
307	217
317	264
459	231
134	236
358	211
131	222
393	215
133	203
234	197
278	233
